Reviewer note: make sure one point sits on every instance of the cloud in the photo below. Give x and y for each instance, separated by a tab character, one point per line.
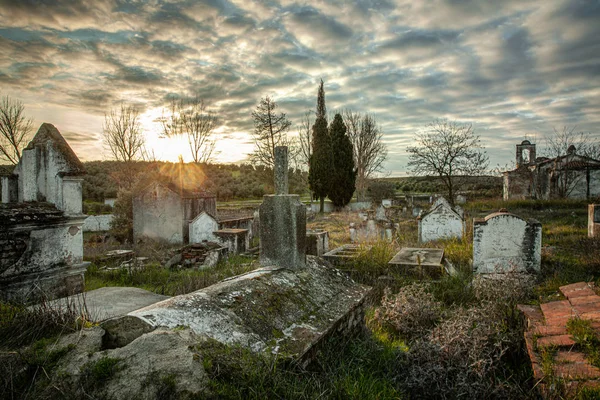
510	68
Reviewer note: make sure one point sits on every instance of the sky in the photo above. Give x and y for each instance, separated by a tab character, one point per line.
512	69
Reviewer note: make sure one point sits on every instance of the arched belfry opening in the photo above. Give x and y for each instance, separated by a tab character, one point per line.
525	153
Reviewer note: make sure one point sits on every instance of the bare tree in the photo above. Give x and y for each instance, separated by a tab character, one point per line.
15	129
270	131
192	119
564	146
369	150
449	150
123	133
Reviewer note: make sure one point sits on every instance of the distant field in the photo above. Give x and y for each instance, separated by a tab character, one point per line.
475	186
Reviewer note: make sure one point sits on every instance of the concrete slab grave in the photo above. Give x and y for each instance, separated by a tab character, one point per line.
345	254
504	242
418	262
41	239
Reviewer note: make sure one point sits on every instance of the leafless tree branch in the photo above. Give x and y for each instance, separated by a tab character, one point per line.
15	129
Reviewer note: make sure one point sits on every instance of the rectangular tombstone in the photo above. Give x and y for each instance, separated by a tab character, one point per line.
593	220
418	262
282	231
504	242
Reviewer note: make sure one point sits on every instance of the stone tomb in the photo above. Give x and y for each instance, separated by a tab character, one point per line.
236	240
504	242
418	262
442	221
41	219
593	220
345	254
317	242
289	307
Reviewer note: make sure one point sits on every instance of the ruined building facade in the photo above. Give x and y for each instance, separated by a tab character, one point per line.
41	239
164	211
567	176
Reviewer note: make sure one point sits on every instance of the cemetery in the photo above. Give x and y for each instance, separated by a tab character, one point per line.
192	288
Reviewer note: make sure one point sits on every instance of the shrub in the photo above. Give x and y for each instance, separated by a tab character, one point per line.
463	357
410	313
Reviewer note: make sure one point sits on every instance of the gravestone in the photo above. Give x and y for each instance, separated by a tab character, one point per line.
418	262
317	242
504	242
282	221
442	221
593	220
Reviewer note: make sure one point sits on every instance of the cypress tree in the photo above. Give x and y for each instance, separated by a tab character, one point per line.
343	176
320	166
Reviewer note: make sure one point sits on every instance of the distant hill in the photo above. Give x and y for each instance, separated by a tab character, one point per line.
475	186
226	181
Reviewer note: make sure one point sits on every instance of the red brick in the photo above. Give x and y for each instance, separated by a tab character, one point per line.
558	321
550	330
570	357
576	301
557	340
532	313
594	315
576	286
576	371
537	371
556	307
586	308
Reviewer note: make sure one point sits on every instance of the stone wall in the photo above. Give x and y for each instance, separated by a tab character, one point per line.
505	242
593	220
158	214
97	223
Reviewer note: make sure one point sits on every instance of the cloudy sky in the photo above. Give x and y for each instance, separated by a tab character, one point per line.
511	68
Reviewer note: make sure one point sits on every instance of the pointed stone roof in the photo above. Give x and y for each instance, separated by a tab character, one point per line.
49	133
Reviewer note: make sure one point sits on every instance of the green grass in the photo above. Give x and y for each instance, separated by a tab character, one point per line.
586	337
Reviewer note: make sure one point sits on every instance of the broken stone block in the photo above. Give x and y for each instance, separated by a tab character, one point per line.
289	312
505	242
345	254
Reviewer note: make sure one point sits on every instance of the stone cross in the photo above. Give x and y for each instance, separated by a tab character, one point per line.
281	170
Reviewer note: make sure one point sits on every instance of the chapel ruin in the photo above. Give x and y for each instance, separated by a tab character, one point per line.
570	176
41	239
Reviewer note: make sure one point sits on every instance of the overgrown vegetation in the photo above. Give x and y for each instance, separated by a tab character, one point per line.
156	278
586	337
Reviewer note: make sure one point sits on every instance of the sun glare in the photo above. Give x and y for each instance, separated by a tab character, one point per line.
229	147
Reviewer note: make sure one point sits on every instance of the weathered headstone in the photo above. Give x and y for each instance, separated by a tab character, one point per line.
282	222
504	242
353	234
442	221
593	220
317	242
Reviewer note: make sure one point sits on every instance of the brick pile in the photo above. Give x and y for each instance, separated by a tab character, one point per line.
547	329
